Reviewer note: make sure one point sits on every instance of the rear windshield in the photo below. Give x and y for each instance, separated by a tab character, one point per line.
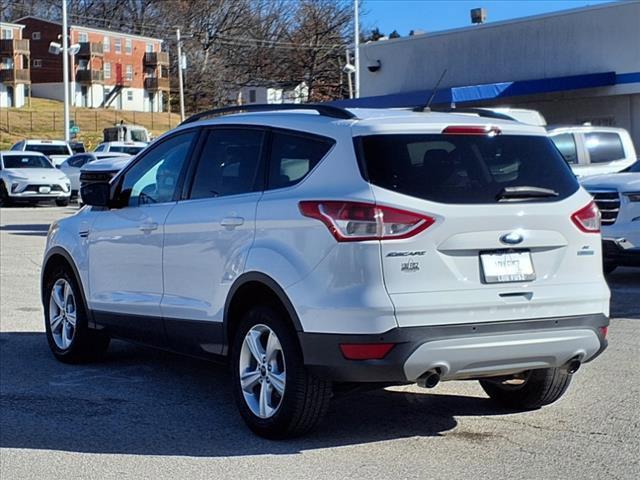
25	161
48	149
127	150
467	168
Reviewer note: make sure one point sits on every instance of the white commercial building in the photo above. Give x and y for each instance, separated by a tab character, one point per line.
575	66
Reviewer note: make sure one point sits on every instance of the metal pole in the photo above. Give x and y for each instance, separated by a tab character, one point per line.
65	70
180	85
356	29
349	75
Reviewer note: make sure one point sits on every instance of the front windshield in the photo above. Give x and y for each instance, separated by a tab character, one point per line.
26	161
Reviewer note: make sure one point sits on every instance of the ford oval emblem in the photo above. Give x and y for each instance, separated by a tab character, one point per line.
512	238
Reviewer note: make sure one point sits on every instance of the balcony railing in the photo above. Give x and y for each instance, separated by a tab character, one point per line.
90	76
154	83
15	75
14	47
88	49
156	58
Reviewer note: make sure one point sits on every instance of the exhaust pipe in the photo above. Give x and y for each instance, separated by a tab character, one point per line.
429	379
573	366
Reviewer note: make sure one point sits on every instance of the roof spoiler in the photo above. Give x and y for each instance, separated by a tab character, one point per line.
481	112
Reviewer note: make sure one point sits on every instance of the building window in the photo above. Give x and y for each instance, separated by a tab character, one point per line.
128	75
83	65
83	37
252	96
129	95
37	63
106	44
7	34
117	45
149	47
107	70
36	36
127	46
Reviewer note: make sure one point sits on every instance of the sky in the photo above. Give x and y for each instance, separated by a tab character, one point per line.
436	15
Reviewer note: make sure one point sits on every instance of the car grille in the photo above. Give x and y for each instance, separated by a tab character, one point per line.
608	202
95	177
35	188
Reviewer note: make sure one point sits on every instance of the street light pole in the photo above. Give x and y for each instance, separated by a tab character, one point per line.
180	84
356	29
65	70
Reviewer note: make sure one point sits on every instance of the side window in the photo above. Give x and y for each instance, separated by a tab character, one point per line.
604	146
154	179
566	143
229	163
293	156
77	161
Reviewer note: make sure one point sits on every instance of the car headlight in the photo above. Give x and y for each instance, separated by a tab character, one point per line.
633	196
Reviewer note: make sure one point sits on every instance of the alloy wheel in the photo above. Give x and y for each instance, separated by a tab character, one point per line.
62	314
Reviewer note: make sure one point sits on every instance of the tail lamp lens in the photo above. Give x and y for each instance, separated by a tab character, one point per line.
356	221
587	219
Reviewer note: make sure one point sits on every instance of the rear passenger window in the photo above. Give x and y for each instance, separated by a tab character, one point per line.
229	163
566	143
293	156
604	146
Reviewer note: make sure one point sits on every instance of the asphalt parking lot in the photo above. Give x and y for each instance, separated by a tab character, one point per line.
147	414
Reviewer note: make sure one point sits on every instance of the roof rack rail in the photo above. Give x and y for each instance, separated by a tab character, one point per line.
325	110
481	112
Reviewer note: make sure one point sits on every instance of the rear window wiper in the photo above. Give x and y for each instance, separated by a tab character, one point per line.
525	192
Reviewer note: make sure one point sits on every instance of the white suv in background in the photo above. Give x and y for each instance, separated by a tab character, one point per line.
127	148
56	150
321	246
594	150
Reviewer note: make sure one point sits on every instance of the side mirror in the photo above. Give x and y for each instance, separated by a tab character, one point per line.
96	194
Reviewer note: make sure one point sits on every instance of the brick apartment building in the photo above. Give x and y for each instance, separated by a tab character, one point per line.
111	69
14	66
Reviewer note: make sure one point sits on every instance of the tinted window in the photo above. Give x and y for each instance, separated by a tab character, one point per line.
99	148
127	150
293	156
635	168
78	160
154	179
465	169
604	147
26	161
229	163
566	143
48	149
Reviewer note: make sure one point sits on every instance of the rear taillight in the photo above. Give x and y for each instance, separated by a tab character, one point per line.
587	219
356	221
488	130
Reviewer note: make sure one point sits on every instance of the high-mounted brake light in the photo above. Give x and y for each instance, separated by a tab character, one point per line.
365	351
587	219
357	221
485	130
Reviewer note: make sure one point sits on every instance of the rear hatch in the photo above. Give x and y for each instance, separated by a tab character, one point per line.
503	244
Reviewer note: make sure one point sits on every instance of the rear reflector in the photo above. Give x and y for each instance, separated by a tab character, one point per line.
587	219
365	351
357	221
488	130
604	331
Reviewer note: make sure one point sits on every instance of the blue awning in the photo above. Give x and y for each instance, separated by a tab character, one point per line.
489	91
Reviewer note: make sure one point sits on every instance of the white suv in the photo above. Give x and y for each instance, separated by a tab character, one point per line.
321	246
56	150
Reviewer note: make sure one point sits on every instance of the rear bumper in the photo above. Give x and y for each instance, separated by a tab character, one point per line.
459	351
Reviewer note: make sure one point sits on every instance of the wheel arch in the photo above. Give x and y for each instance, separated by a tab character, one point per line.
249	289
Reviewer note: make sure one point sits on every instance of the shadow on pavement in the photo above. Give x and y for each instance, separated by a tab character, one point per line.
625	292
145	402
34	229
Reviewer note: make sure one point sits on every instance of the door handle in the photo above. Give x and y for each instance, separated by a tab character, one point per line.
232	222
148	227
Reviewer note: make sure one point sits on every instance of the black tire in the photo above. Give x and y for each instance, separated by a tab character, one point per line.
609	267
87	344
306	398
62	202
540	387
5	201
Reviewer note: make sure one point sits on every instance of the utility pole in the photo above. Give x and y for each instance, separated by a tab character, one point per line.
65	70
180	85
356	29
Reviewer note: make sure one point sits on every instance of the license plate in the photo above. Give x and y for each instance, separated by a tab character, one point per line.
44	189
500	267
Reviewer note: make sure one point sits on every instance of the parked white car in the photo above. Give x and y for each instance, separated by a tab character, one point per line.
594	150
56	150
322	245
72	165
128	148
618	197
31	177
